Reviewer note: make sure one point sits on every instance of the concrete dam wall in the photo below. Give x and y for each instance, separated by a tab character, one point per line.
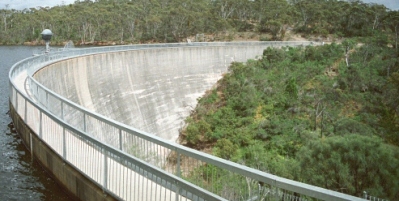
151	87
152	90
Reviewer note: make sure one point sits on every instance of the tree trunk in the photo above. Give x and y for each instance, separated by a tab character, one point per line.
5	23
347	56
5	15
396	37
132	26
122	36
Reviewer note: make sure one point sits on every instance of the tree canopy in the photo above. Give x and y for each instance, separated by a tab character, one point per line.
126	21
325	115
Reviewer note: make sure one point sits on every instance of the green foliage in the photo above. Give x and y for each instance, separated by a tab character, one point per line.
287	115
291	88
352	126
390	111
351	164
349	43
125	21
273	55
347	18
225	148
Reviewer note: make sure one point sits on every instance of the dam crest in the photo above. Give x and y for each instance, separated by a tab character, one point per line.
104	120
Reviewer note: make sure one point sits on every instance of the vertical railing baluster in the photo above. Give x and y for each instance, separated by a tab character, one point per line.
120	140
105	173
62	110
41	125
47	101
177	190
84	122
26	112
142	183
11	95
31	145
37	93
64	153
178	165
16	100
178	173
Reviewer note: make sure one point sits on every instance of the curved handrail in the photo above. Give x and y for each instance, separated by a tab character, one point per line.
174	184
260	177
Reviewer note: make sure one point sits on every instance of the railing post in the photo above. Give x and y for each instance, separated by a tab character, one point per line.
37	92
62	110
16	100
41	125
11	91
178	173
47	100
26	112
84	122
120	140
64	155
177	191
274	186
105	173
31	145
178	165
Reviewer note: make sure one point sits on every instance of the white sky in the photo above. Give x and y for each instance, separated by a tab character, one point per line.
391	4
22	4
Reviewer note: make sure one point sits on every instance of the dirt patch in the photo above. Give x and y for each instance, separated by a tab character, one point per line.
243	36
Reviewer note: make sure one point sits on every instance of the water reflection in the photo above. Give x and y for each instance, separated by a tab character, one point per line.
21	178
25	179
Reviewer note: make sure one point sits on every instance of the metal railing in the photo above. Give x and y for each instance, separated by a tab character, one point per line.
372	198
113	140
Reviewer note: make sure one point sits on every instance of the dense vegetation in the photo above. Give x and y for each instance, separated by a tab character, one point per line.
127	21
310	115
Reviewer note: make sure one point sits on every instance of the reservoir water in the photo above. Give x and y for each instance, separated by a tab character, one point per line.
21	177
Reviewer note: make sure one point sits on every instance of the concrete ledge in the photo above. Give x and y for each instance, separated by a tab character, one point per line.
79	187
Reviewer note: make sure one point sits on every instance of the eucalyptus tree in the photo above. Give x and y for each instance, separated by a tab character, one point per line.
129	16
244	10
225	8
185	18
5	14
391	21
87	18
273	16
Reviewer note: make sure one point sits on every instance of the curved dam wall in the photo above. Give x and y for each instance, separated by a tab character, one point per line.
97	158
149	89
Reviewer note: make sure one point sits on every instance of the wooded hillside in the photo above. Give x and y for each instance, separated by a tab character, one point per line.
324	115
142	21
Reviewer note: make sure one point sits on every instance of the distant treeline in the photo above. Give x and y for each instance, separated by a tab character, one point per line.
140	21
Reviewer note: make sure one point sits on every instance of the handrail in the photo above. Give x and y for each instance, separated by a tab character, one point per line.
174	184
237	169
151	172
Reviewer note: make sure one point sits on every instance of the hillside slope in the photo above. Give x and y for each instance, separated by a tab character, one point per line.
324	115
